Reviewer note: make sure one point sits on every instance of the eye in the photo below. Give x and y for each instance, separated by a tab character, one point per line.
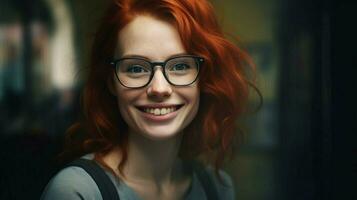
180	67
136	69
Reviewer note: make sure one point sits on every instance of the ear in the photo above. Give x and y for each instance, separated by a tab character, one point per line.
110	85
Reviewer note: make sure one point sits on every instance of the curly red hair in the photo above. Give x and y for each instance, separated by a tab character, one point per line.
223	82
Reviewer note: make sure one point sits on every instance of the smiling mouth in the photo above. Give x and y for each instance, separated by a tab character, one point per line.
159	111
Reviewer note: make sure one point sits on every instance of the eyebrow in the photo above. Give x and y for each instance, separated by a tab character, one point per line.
147	58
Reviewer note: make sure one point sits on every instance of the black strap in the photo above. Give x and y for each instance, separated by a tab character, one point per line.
105	185
206	181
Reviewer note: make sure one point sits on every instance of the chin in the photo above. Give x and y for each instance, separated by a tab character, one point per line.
160	133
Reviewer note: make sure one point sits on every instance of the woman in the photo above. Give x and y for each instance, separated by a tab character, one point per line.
165	88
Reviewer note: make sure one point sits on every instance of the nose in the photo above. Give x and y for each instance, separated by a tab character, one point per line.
159	88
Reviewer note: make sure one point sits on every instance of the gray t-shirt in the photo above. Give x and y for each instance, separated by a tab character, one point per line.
74	183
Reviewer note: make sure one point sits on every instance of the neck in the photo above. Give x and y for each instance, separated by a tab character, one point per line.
150	161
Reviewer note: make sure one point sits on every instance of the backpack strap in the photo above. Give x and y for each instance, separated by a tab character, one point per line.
206	180
105	185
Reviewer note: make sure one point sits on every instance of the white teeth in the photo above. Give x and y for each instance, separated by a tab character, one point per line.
159	111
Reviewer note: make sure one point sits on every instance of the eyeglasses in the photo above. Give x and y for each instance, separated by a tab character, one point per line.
133	72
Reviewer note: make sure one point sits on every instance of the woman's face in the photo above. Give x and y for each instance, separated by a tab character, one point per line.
157	41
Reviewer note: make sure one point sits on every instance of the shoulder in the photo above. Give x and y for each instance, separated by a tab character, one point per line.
71	183
223	183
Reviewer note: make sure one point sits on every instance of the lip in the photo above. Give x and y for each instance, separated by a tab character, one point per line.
158	106
159	118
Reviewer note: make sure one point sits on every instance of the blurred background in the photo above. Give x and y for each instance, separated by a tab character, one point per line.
300	145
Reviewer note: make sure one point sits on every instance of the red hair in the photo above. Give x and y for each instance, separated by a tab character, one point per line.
223	82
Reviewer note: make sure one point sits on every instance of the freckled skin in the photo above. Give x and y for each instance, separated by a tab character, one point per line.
157	40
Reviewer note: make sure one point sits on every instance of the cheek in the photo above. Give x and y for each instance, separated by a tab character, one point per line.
124	100
122	105
124	95
196	104
125	109
193	97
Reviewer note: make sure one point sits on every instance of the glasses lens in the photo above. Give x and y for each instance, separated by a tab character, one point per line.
182	71
133	72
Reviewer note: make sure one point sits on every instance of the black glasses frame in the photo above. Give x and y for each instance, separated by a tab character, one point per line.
199	60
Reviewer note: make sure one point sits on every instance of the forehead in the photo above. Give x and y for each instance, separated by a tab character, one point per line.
149	37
